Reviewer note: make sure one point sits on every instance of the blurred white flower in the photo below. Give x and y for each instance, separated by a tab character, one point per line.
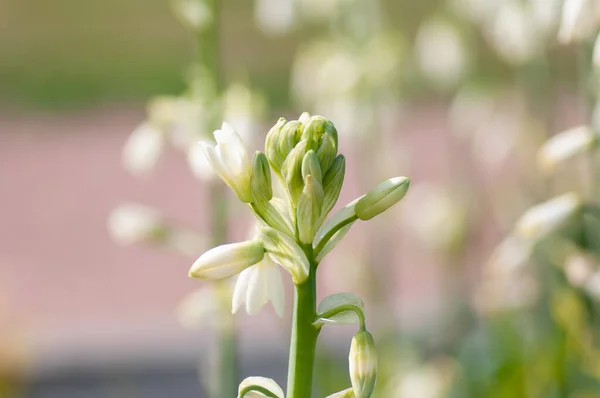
143	149
545	14
258	284
428	381
132	223
436	218
596	53
578	21
199	164
230	161
565	145
512	33
193	14
579	268
275	17
440	52
199	309
546	217
244	109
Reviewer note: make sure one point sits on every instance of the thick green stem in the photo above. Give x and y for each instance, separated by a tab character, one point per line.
304	335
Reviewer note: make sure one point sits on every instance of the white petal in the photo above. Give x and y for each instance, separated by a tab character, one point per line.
264	382
275	287
227	260
256	295
241	287
198	162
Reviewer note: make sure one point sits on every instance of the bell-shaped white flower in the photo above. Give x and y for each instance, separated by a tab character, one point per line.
227	260
253	387
143	149
230	160
258	284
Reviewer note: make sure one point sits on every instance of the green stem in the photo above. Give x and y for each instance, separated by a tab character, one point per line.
304	334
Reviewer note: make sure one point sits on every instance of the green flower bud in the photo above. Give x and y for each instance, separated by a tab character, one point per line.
261	177
289	136
310	166
271	145
292	171
363	364
309	209
332	184
347	393
326	152
382	197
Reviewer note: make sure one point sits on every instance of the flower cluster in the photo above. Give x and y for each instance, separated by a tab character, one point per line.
294	230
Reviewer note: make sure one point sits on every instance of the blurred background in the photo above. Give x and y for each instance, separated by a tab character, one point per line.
482	283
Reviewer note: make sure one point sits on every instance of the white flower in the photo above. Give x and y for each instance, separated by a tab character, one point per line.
199	308
579	19
258	284
199	163
565	145
193	14
133	223
142	149
227	260
275	17
230	160
248	388
548	216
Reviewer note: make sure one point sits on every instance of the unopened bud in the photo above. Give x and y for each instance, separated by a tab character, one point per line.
227	260
292	171
261	177
271	146
347	393
310	166
309	209
332	184
363	364
382	197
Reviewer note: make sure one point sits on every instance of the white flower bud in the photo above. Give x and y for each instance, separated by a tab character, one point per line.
227	260
547	217
332	184
252	387
566	145
382	197
310	166
363	364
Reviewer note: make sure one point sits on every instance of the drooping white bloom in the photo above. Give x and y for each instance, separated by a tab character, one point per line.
230	160
227	260
143	149
133	223
565	145
246	388
363	364
258	284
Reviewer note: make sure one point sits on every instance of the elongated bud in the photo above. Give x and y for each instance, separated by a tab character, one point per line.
309	209
292	171
272	146
363	364
289	136
261	177
547	217
310	166
566	145
227	260
332	184
382	197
